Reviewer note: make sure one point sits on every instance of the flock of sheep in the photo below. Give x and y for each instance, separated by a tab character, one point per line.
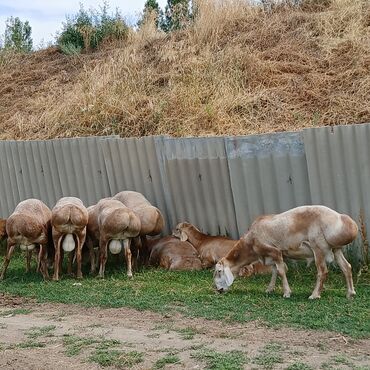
123	222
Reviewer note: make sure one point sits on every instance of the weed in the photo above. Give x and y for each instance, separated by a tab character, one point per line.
31	344
299	366
36	332
269	356
75	344
168	359
106	357
15	312
232	360
187	333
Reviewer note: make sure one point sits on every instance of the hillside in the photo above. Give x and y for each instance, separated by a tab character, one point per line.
238	70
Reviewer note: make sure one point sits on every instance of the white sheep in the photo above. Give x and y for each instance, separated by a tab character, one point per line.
304	232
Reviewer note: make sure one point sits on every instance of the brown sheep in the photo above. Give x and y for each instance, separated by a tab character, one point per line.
69	220
172	254
110	222
152	221
29	226
212	248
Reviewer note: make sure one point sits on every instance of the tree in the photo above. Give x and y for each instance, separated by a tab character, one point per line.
150	7
18	35
177	14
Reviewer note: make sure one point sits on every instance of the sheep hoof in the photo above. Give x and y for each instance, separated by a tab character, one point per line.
129	276
286	295
351	295
269	290
314	296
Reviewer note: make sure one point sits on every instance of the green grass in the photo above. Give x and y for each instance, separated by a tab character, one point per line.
74	344
269	356
192	294
41	331
231	360
116	358
299	366
31	344
168	359
15	312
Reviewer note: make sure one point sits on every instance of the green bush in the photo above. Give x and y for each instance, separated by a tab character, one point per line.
88	28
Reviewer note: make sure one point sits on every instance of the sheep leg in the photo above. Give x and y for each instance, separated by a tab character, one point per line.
128	255
276	256
28	261
144	250
9	252
90	246
80	242
57	238
271	286
70	263
322	270
103	247
346	268
43	261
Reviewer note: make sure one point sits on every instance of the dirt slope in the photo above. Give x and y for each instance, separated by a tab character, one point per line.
238	69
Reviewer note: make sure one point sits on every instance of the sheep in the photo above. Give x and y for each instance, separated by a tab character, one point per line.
27	226
2	229
172	254
152	221
110	222
68	220
304	232
212	248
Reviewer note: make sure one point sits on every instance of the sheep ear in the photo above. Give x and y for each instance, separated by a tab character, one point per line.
183	237
229	277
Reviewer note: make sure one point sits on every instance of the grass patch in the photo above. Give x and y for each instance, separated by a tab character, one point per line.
192	294
231	360
36	332
187	333
113	357
299	366
168	359
31	344
74	344
15	312
269	356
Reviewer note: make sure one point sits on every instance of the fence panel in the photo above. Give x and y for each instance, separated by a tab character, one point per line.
197	184
339	172
132	164
268	174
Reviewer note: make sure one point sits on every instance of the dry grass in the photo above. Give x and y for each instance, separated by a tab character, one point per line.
238	69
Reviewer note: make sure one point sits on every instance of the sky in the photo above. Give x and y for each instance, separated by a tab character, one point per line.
46	16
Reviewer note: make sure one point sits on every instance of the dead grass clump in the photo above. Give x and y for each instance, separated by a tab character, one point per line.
239	69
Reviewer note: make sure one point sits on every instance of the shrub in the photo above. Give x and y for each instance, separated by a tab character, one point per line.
18	35
88	28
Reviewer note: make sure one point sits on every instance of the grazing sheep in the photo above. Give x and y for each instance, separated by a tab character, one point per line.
68	220
151	218
110	222
172	254
304	232
29	226
212	248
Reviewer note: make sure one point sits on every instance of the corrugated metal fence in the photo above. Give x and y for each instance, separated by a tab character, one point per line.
218	183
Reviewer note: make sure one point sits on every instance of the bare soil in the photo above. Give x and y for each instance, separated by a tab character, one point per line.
156	335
